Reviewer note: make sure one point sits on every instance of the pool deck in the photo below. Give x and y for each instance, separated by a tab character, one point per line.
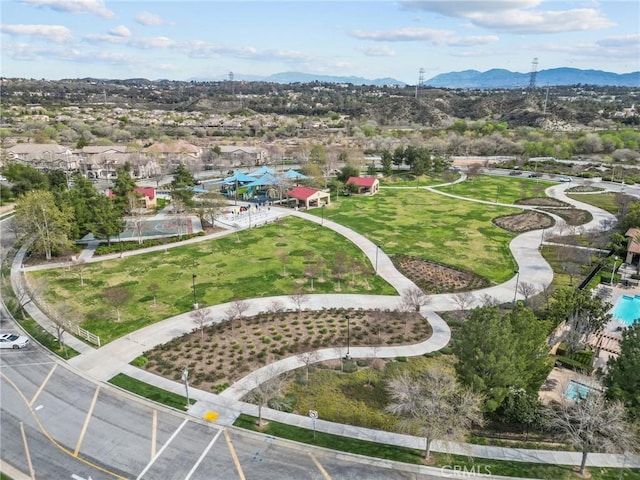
617	292
555	384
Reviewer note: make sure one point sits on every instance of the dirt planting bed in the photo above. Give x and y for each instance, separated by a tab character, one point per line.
572	216
433	277
223	353
524	222
543	202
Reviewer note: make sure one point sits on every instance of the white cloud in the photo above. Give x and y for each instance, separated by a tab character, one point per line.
95	7
594	50
408	34
151	42
469	41
51	33
378	51
632	40
120	31
149	19
516	16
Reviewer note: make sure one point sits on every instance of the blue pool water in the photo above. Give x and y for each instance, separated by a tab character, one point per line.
576	390
627	310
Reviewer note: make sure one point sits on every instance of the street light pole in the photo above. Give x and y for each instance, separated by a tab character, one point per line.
322	223
185	378
193	283
515	293
613	270
347	356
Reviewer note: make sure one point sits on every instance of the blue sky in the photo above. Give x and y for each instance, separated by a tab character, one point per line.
183	40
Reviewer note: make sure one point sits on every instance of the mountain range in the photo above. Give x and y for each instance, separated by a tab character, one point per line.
495	78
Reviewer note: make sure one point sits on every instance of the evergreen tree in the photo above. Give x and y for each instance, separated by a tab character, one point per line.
623	374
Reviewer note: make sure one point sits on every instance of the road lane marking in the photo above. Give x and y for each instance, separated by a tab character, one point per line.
8	365
43	384
204	453
26	451
154	432
86	422
53	440
234	456
150	464
320	467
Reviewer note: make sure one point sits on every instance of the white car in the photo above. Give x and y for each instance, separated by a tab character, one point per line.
13	340
564	179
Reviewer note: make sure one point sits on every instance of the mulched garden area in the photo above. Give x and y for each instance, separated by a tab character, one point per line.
524	222
223	353
433	277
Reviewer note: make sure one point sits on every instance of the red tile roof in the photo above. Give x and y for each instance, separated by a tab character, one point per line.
149	192
363	181
634	244
302	193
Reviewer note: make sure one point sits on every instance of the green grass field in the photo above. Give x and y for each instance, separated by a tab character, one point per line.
492	188
226	269
433	227
605	201
151	392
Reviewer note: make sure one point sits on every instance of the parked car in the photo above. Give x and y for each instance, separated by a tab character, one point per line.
13	340
564	179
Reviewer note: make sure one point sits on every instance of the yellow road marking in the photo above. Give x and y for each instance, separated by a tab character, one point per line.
86	422
320	467
234	456
26	451
43	384
52	440
154	430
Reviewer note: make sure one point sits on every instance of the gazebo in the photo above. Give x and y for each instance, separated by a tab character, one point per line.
308	197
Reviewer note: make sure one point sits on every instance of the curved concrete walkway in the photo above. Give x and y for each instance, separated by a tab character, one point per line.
114	357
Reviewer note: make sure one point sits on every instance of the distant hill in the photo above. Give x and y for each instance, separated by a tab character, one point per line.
299	77
499	78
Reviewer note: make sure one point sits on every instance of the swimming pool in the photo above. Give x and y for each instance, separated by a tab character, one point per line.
576	390
627	310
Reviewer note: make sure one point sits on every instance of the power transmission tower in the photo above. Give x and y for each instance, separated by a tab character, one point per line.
533	74
420	80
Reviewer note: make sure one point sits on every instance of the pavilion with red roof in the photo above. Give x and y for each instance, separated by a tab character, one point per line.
369	185
308	197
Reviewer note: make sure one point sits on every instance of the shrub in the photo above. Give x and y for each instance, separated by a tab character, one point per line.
140	361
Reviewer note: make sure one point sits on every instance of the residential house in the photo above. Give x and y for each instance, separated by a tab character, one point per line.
44	156
243	156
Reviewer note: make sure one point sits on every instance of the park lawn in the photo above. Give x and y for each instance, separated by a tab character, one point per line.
430	226
408	180
491	188
244	265
151	392
605	201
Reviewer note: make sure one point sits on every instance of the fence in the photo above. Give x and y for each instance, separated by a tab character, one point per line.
81	332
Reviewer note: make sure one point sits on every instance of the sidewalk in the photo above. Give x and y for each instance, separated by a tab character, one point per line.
113	358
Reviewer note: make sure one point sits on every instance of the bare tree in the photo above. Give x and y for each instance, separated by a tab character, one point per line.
527	290
340	268
31	292
487	300
59	314
339	350
593	423
116	297
267	388
413	299
307	358
236	311
201	318
299	299
284	258
79	265
434	405
153	288
311	271
463	300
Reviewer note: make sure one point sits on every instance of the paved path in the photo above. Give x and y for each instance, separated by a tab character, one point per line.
113	358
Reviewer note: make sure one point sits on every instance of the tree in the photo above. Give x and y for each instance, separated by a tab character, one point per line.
236	311
25	178
267	389
386	158
346	172
307	358
299	298
527	290
79	266
116	297
593	423
497	352
37	214
622	377
153	288
201	317
463	300
432	404
522	408
210	204
107	221
124	186
413	299
585	313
